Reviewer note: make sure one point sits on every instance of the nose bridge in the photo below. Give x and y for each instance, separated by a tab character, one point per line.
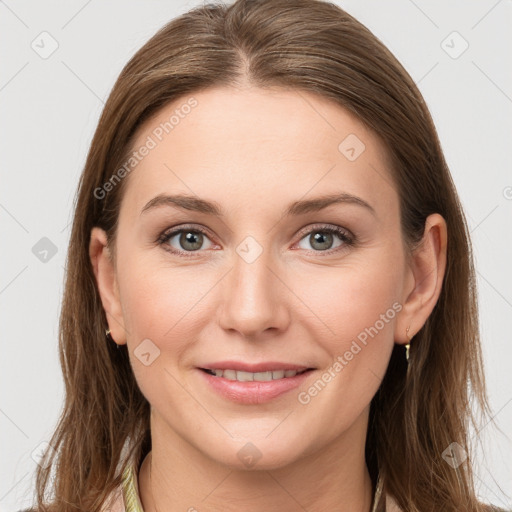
252	298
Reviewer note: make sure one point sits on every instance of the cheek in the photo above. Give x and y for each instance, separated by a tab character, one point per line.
160	302
354	303
356	308
158	305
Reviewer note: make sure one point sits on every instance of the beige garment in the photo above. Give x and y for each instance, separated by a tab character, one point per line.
126	498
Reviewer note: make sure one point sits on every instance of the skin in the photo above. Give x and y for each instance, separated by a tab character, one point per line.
254	152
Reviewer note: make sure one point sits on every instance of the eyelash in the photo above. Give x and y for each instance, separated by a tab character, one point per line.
348	240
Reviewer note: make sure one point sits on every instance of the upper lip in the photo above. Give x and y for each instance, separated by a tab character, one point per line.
253	367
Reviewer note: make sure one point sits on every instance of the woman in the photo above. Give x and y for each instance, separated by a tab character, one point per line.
270	295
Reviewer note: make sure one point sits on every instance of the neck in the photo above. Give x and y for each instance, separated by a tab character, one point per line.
183	478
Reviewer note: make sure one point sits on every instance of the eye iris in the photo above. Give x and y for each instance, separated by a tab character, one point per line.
321	237
192	237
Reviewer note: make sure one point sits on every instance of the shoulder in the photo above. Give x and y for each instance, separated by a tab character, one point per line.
494	508
50	507
392	506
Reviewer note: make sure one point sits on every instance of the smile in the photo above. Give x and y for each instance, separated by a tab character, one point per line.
252	388
242	376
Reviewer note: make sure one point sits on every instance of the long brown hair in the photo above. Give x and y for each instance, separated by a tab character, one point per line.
303	45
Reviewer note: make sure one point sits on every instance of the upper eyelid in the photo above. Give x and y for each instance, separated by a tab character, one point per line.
319	226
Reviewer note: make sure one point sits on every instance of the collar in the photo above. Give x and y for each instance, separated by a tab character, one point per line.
130	489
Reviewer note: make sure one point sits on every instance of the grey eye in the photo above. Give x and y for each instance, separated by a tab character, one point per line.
321	240
188	240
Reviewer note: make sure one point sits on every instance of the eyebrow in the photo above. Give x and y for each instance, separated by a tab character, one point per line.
197	204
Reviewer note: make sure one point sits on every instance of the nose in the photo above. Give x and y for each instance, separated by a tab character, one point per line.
254	299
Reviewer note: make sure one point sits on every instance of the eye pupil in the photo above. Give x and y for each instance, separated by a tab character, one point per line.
191	237
321	237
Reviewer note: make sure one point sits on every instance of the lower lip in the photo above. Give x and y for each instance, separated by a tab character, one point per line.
254	392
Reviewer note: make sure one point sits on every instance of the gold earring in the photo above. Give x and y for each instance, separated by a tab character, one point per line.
408	346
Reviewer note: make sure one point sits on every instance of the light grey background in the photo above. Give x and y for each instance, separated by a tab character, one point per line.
49	108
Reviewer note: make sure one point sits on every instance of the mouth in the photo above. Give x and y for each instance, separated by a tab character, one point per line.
253	388
243	376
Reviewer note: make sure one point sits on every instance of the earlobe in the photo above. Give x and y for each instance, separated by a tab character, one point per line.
106	282
425	279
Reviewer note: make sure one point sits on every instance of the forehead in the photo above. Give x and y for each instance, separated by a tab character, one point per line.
257	145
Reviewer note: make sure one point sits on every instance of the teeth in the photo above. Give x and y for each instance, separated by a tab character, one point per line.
259	376
227	374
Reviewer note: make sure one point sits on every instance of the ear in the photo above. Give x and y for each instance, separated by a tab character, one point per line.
104	272
423	280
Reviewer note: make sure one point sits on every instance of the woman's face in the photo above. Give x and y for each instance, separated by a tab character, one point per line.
263	281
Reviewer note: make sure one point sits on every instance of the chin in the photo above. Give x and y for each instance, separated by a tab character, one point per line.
258	455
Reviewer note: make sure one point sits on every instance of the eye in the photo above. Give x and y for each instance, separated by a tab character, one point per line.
189	240
321	238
